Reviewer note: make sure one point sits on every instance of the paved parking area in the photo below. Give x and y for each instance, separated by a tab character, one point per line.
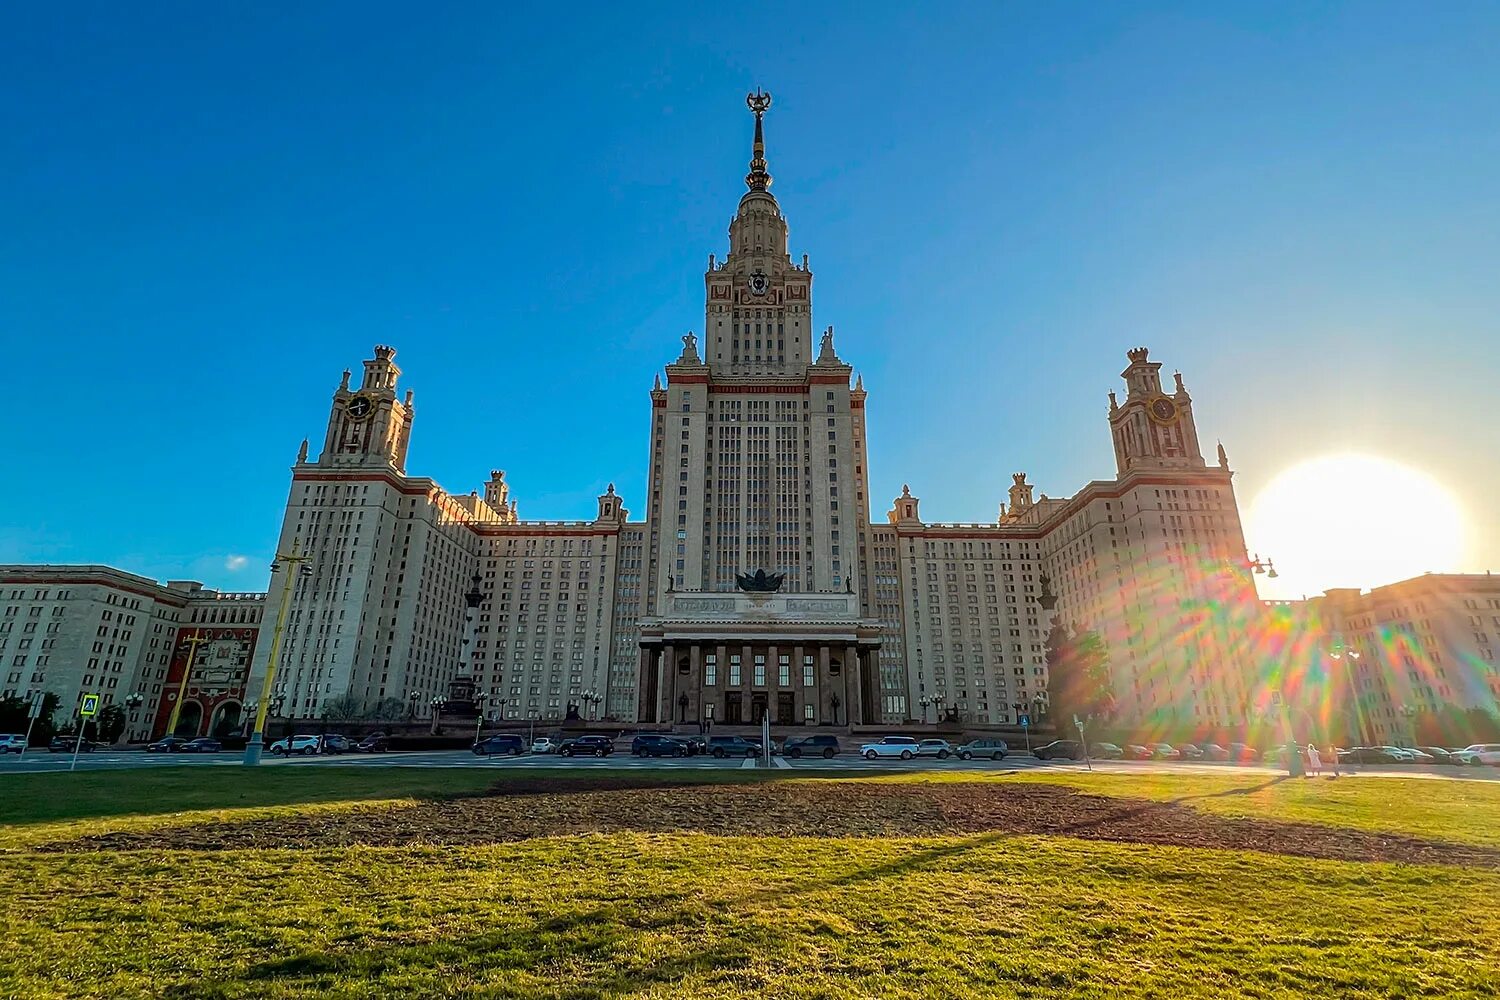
43	762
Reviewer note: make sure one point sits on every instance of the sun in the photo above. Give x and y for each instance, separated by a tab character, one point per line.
1353	520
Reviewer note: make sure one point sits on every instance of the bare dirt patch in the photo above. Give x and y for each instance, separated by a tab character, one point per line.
539	807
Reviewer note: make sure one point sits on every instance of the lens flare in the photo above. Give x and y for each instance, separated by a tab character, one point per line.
1353	520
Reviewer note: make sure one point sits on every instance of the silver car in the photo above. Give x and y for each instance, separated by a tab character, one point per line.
941	749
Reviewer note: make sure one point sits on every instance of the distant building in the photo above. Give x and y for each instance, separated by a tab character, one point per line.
759	461
1421	645
75	630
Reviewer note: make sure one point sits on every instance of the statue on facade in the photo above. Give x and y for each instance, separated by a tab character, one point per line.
759	582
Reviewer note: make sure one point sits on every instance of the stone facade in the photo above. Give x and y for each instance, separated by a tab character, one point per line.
759	460
76	630
1422	644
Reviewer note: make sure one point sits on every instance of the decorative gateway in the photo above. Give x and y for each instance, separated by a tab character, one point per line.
760	582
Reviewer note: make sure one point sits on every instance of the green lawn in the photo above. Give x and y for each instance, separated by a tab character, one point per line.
694	915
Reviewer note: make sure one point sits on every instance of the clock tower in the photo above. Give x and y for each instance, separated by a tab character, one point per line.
1153	429
369	426
758	312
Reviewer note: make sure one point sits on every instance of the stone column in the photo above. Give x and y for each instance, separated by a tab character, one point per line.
799	696
853	691
668	695
695	683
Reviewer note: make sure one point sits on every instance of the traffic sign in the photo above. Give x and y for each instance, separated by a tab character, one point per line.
36	705
90	706
1025	720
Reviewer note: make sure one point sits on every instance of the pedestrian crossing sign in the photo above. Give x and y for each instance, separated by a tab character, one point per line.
90	706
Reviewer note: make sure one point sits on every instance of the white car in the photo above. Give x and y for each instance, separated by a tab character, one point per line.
904	747
12	742
1484	753
544	745
303	745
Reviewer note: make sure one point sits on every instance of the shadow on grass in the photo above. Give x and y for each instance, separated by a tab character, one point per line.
599	945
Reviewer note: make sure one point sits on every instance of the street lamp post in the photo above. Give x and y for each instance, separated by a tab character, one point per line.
924	701
682	707
479	699
438	702
834	703
1409	713
1349	658
290	565
937	708
592	698
190	645
133	701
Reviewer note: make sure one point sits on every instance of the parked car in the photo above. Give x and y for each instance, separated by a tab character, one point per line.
1369	755
374	743
658	746
1212	751
1417	755
993	749
1243	753
544	744
12	742
941	749
1165	751
1485	753
1106	751
732	746
202	745
1440	756
1188	751
66	744
1139	751
500	743
586	746
904	747
304	745
824	746
1465	758
337	743
1059	750
695	744
167	744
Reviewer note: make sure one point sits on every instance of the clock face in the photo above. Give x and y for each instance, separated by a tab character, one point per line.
1162	410
359	407
759	283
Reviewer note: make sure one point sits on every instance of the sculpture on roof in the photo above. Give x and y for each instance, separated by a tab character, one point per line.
759	582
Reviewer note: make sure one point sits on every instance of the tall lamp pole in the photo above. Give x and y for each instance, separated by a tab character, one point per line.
190	644
1348	656
290	565
1409	713
479	699
133	701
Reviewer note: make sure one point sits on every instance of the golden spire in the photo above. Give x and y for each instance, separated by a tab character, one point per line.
758	179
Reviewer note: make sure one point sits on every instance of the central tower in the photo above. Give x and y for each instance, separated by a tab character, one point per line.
758	304
757	455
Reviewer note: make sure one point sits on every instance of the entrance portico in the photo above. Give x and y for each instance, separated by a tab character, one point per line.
732	658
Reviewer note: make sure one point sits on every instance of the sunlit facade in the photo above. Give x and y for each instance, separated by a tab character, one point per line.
759	460
1365	665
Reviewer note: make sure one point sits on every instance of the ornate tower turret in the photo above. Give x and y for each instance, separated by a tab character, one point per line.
1153	430
758	314
370	426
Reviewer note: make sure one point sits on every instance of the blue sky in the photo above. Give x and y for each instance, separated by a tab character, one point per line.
211	213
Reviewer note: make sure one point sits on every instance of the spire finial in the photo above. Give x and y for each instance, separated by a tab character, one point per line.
759	178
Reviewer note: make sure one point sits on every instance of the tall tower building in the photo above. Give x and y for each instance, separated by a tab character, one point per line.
756	585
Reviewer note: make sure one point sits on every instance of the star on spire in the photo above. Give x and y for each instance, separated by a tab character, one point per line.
759	178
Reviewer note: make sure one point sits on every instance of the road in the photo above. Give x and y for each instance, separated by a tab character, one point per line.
41	762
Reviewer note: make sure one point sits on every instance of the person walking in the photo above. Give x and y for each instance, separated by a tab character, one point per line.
1333	752
1314	761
